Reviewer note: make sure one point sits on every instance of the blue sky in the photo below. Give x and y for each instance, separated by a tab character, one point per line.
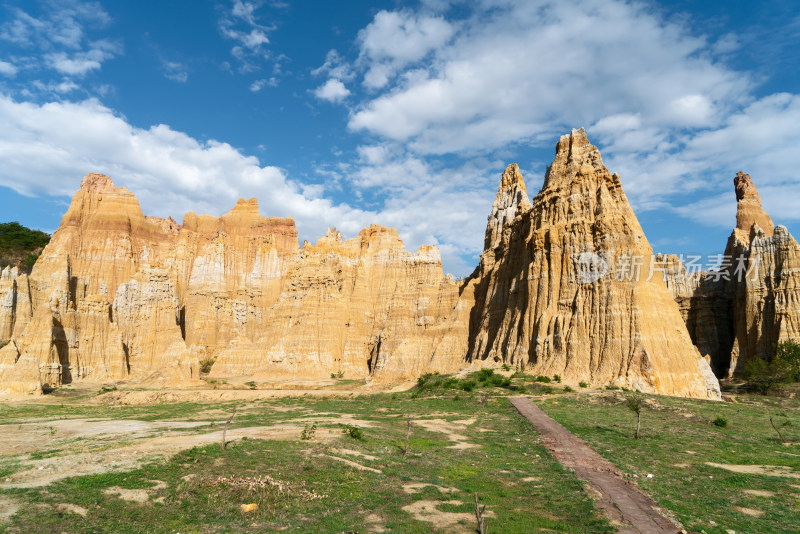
399	113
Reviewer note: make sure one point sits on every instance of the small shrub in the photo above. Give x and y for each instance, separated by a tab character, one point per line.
340	374
557	378
485	375
415	395
542	379
308	431
251	384
206	364
547	390
450	383
522	389
583	384
456	397
506	367
468	385
106	389
721	422
613	388
353	431
333	375
568	389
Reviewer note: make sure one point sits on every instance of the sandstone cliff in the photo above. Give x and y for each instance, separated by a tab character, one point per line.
120	296
548	296
753	301
117	295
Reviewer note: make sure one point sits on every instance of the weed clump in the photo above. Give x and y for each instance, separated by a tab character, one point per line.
308	432
721	422
583	384
353	432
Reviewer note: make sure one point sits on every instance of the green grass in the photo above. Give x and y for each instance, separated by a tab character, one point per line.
186	493
679	437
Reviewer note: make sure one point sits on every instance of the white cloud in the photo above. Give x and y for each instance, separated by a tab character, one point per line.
513	71
333	91
170	172
241	25
335	67
61	36
8	69
395	39
175	71
258	85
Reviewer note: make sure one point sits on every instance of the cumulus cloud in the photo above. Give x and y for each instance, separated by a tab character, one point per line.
170	172
514	72
333	91
395	39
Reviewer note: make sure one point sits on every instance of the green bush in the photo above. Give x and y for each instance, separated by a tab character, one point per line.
506	367
721	422
583	384
468	385
543	379
568	389
557	378
353	431
547	390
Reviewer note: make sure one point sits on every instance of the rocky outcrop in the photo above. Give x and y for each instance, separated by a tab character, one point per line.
120	296
553	296
752	302
117	295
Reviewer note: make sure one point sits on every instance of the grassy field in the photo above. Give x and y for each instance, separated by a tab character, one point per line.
741	477
465	439
460	444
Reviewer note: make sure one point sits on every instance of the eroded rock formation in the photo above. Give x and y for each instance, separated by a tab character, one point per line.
117	295
753	301
548	296
120	296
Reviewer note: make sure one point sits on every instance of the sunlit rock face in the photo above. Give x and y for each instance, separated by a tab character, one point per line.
753	302
551	294
117	295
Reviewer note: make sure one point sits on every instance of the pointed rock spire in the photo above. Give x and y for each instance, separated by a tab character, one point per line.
748	206
511	199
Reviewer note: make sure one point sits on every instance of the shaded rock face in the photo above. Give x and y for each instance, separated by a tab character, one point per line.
753	302
117	295
547	297
705	306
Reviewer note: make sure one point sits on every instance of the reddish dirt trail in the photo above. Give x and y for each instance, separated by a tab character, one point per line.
629	509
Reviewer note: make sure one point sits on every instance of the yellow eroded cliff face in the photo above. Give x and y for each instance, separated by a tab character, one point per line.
117	295
120	296
566	290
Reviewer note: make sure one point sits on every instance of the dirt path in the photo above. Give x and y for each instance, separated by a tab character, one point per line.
626	505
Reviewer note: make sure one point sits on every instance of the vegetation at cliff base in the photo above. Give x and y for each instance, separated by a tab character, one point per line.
20	246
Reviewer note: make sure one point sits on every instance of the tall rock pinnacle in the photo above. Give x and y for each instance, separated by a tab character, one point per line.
569	290
511	199
748	206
